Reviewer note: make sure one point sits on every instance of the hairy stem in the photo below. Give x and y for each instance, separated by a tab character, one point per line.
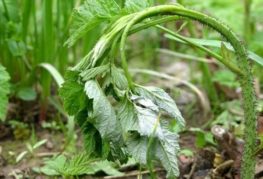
248	163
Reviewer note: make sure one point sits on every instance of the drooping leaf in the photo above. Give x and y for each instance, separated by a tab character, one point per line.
137	147
142	115
103	115
118	78
102	8
162	100
93	142
167	151
93	72
4	91
72	93
118	153
53	72
149	122
89	15
127	116
137	5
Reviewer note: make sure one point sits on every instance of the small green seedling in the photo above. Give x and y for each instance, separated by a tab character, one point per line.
31	149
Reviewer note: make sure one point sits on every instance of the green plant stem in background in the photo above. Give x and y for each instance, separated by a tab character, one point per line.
249	99
247	20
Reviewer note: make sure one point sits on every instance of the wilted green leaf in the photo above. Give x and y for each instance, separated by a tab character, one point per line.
118	78
137	147
4	91
167	151
89	15
147	117
127	116
72	93
137	5
103	115
93	72
162	100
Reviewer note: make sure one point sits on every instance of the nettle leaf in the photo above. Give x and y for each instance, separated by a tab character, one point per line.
103	115
93	72
137	147
79	164
118	78
162	100
128	116
167	151
4	91
72	93
102	8
148	122
142	115
137	5
92	140
140	112
89	15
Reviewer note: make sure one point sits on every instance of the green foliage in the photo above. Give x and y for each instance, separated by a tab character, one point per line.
72	93
103	115
90	84
163	100
137	5
90	15
203	138
215	43
27	94
4	91
93	13
79	164
147	137
226	78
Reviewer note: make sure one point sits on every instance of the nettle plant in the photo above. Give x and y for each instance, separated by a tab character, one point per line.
120	118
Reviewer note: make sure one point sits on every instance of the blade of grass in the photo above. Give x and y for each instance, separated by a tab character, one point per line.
184	56
213	43
231	65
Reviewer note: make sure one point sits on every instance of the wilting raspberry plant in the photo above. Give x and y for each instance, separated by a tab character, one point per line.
131	122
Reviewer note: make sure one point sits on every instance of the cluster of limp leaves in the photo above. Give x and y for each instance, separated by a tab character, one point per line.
117	121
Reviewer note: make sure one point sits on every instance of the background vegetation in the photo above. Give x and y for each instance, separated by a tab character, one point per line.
35	52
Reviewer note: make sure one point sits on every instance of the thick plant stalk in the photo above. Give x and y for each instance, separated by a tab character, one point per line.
248	159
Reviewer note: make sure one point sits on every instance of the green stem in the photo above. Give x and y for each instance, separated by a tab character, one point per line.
249	99
153	23
247	20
